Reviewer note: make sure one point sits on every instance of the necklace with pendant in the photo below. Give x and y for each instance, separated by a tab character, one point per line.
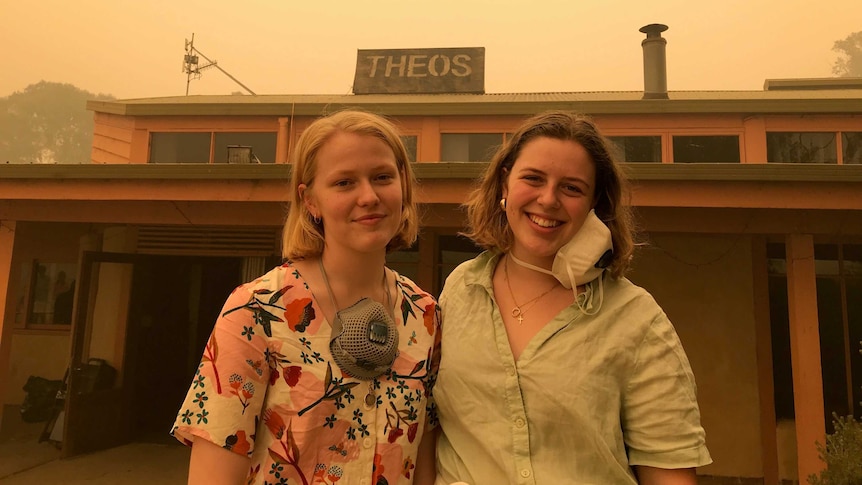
519	311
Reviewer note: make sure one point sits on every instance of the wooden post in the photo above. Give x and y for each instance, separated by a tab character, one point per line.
7	242
281	141
805	353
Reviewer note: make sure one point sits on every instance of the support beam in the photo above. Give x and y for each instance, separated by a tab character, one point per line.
282	150
766	383
805	353
7	242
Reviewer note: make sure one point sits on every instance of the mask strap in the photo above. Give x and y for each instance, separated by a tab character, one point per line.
583	307
529	266
587	308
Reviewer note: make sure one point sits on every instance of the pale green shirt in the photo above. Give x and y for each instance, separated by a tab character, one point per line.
589	397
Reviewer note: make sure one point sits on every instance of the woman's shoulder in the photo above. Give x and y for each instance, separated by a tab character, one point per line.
473	270
624	294
411	289
283	279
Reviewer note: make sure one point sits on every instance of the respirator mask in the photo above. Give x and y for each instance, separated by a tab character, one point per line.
582	259
364	339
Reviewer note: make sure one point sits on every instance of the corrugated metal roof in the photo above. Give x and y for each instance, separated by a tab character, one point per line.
727	172
610	102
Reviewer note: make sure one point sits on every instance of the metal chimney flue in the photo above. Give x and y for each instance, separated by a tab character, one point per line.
655	62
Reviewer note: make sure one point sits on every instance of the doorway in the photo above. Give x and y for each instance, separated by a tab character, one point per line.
174	304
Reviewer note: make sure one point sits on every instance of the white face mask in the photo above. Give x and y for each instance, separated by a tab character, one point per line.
583	258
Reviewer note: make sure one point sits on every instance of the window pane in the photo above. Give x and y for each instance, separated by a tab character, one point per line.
706	149
180	148
469	147
853	260
788	147
826	259
410	143
262	146
51	293
854	321
781	367
853	299
637	148
832	354
852	147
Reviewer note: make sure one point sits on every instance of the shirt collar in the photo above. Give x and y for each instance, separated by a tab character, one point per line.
482	269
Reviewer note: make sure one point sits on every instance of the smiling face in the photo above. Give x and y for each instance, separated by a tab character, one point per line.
356	192
549	192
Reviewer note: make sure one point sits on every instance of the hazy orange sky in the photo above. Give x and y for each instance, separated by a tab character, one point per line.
134	49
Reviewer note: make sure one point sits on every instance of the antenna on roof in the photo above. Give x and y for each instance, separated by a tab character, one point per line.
193	69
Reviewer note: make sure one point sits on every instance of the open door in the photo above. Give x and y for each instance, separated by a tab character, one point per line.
97	398
139	326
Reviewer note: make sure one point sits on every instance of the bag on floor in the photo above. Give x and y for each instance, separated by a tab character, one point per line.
39	402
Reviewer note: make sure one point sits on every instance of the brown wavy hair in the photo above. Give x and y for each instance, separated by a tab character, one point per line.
487	225
302	237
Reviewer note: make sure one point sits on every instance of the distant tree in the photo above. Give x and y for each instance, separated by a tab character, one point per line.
47	123
849	62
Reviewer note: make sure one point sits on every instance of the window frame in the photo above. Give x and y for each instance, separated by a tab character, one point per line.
27	294
502	135
211	159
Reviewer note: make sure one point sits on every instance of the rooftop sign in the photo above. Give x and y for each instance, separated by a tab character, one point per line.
401	71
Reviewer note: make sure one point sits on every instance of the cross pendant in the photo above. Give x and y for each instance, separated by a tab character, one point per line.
516	312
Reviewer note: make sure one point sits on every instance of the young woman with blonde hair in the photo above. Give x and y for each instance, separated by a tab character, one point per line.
322	369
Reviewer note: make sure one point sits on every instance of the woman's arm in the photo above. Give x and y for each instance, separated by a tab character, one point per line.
648	475
426	458
211	464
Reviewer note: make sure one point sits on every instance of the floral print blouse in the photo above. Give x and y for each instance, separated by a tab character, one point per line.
268	388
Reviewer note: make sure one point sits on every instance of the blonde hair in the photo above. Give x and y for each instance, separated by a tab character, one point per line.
487	225
302	237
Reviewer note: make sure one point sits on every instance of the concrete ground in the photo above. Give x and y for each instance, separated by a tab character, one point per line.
132	464
23	460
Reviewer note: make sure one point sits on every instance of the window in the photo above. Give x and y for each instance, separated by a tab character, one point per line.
262	146
706	149
196	147
636	148
787	147
851	148
469	147
45	294
838	269
180	147
410	143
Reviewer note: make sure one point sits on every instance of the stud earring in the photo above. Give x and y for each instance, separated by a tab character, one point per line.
503	204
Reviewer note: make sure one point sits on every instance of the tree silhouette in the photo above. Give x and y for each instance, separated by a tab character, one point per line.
849	62
47	123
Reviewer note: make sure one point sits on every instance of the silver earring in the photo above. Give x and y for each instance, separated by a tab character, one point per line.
503	204
315	219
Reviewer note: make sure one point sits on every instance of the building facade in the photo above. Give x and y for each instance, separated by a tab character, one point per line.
749	206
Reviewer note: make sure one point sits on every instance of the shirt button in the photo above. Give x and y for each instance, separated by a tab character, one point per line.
526	473
511	371
519	422
367	442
